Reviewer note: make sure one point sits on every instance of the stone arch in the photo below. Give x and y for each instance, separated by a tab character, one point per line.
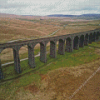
36	48
68	45
61	46
76	43
81	44
53	48
33	51
86	40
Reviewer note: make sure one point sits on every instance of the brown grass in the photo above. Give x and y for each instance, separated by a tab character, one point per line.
75	29
12	29
61	83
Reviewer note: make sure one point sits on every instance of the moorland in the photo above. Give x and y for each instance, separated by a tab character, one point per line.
58	78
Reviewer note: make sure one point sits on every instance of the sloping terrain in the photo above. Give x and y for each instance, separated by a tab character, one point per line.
13	29
57	79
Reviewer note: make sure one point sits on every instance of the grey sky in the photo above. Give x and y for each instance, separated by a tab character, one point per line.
46	7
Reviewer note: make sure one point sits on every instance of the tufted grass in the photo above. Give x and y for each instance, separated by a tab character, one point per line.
32	75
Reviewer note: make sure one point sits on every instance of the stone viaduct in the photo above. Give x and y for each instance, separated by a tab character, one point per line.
66	43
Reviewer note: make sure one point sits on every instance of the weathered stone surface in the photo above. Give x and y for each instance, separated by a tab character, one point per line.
76	43
16	59
53	53
43	56
31	58
61	48
81	41
69	45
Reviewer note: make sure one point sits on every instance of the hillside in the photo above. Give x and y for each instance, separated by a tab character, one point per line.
84	16
57	79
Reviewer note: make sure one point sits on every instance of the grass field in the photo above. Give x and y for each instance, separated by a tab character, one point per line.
51	80
35	83
13	29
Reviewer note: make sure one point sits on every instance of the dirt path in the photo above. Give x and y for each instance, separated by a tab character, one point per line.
91	91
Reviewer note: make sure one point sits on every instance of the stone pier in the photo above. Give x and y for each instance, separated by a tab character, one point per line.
53	53
86	40
81	41
31	58
16	59
61	47
76	43
43	56
69	45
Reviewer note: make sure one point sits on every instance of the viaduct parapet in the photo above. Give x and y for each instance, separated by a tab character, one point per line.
72	41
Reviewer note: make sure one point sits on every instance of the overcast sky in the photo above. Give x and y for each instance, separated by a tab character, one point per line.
47	7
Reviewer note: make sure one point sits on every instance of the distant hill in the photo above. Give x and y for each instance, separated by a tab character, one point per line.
4	15
84	16
60	15
8	15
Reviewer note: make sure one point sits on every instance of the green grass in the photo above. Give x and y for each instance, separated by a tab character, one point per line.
77	57
32	75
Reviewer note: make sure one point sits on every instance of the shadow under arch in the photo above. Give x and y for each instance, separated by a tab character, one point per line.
76	43
81	41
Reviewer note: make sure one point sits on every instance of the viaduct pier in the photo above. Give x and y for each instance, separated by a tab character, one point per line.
66	44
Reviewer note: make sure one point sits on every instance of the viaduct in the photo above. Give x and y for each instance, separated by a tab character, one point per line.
66	43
